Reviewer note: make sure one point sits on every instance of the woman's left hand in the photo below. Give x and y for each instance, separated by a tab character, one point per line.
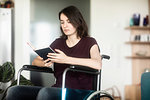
58	57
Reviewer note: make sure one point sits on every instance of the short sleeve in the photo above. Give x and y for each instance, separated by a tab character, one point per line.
53	44
91	42
56	44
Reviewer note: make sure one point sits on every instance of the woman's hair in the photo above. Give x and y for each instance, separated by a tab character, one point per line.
76	19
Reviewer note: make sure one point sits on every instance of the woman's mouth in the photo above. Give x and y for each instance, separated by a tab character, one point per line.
66	30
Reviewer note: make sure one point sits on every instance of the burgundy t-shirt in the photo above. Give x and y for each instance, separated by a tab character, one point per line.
74	80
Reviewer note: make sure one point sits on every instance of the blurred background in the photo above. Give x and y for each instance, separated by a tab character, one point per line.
109	22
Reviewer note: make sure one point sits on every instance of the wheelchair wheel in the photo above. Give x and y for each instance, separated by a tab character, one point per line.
100	95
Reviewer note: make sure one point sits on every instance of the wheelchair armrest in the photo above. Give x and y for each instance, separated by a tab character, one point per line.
84	69
33	68
37	68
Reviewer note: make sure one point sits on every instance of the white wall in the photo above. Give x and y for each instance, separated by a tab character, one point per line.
22	24
108	21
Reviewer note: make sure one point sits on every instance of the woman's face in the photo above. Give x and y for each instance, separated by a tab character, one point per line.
66	26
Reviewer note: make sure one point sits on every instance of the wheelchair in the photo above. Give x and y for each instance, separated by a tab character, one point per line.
95	94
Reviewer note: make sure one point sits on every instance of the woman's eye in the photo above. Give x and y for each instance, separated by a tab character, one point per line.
68	21
61	22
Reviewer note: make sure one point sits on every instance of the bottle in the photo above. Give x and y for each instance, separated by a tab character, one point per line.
147	19
136	19
131	22
144	21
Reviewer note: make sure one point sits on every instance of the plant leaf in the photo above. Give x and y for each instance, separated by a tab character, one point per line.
1	91
7	71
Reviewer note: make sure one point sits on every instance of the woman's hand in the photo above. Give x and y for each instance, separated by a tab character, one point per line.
58	57
38	61
48	63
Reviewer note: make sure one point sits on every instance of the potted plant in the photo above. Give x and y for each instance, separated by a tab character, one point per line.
7	72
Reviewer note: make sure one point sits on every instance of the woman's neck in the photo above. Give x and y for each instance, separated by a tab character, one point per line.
72	41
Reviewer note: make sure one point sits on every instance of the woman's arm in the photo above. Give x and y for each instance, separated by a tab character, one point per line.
93	62
38	61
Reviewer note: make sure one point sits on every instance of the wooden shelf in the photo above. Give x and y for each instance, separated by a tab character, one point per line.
138	57
137	42
139	47
138	28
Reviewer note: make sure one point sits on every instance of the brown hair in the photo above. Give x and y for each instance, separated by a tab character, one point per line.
76	19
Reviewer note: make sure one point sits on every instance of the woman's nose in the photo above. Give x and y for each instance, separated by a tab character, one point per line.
65	24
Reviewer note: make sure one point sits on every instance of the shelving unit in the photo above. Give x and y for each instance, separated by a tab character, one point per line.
140	57
139	62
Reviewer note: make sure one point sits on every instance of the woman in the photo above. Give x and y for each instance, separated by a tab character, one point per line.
74	47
